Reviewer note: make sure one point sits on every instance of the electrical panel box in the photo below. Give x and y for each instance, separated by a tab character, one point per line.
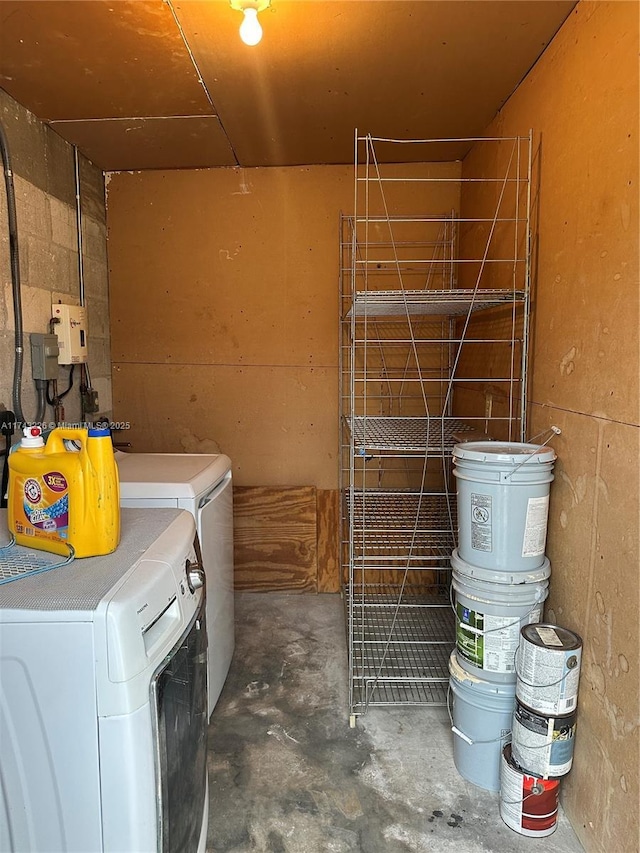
71	330
90	402
44	356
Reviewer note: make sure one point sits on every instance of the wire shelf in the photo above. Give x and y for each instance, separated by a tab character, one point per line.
388	694
432	435
18	562
395	303
400	651
395	525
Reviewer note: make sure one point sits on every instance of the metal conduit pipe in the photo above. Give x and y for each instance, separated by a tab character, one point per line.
76	164
17	298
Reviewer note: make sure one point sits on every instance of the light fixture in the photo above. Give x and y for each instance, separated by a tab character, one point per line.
250	29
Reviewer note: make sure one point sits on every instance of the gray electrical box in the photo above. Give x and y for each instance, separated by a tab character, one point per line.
44	356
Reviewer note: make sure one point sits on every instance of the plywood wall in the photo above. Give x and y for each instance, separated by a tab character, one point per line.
224	287
286	539
224	313
581	99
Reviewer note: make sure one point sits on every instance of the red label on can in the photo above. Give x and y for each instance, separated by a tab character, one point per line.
539	803
528	804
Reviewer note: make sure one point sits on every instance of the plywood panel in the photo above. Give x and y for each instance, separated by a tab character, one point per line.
275	539
245	260
277	424
328	540
595	591
585	293
405	69
183	142
242	264
235	270
321	69
74	60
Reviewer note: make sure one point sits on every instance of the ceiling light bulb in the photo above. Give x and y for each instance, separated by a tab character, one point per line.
250	29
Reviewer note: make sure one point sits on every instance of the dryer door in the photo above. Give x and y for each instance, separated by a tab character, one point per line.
179	696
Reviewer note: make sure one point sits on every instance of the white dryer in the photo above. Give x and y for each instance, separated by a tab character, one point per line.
201	484
103	706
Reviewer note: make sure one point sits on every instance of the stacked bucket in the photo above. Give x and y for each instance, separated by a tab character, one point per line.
500	582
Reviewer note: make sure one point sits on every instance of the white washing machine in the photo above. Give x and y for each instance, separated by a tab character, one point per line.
103	697
201	484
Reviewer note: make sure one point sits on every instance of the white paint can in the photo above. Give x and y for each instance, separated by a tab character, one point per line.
503	503
543	745
528	804
548	669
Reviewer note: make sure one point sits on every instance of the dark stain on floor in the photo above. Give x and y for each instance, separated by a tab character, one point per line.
288	775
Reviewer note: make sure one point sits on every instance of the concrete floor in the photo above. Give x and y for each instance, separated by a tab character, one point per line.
288	775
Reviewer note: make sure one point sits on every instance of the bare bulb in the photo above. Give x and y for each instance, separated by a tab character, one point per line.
250	29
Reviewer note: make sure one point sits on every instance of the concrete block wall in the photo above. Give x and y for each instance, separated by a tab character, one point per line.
44	182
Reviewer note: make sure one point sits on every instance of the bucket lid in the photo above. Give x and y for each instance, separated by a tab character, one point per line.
479	684
505	452
552	637
506	576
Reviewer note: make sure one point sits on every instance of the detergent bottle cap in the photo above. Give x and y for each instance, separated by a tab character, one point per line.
32	437
99	432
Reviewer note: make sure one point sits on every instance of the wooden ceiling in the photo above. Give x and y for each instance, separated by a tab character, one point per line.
150	84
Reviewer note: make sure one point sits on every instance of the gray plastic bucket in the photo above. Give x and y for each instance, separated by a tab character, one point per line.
489	618
481	715
500	576
503	503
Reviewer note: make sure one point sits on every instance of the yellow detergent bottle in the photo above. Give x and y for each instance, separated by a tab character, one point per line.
65	492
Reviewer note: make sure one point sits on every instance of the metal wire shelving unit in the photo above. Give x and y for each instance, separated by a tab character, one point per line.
433	351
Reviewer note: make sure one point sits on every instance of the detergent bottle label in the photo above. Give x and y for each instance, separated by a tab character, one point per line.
45	505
